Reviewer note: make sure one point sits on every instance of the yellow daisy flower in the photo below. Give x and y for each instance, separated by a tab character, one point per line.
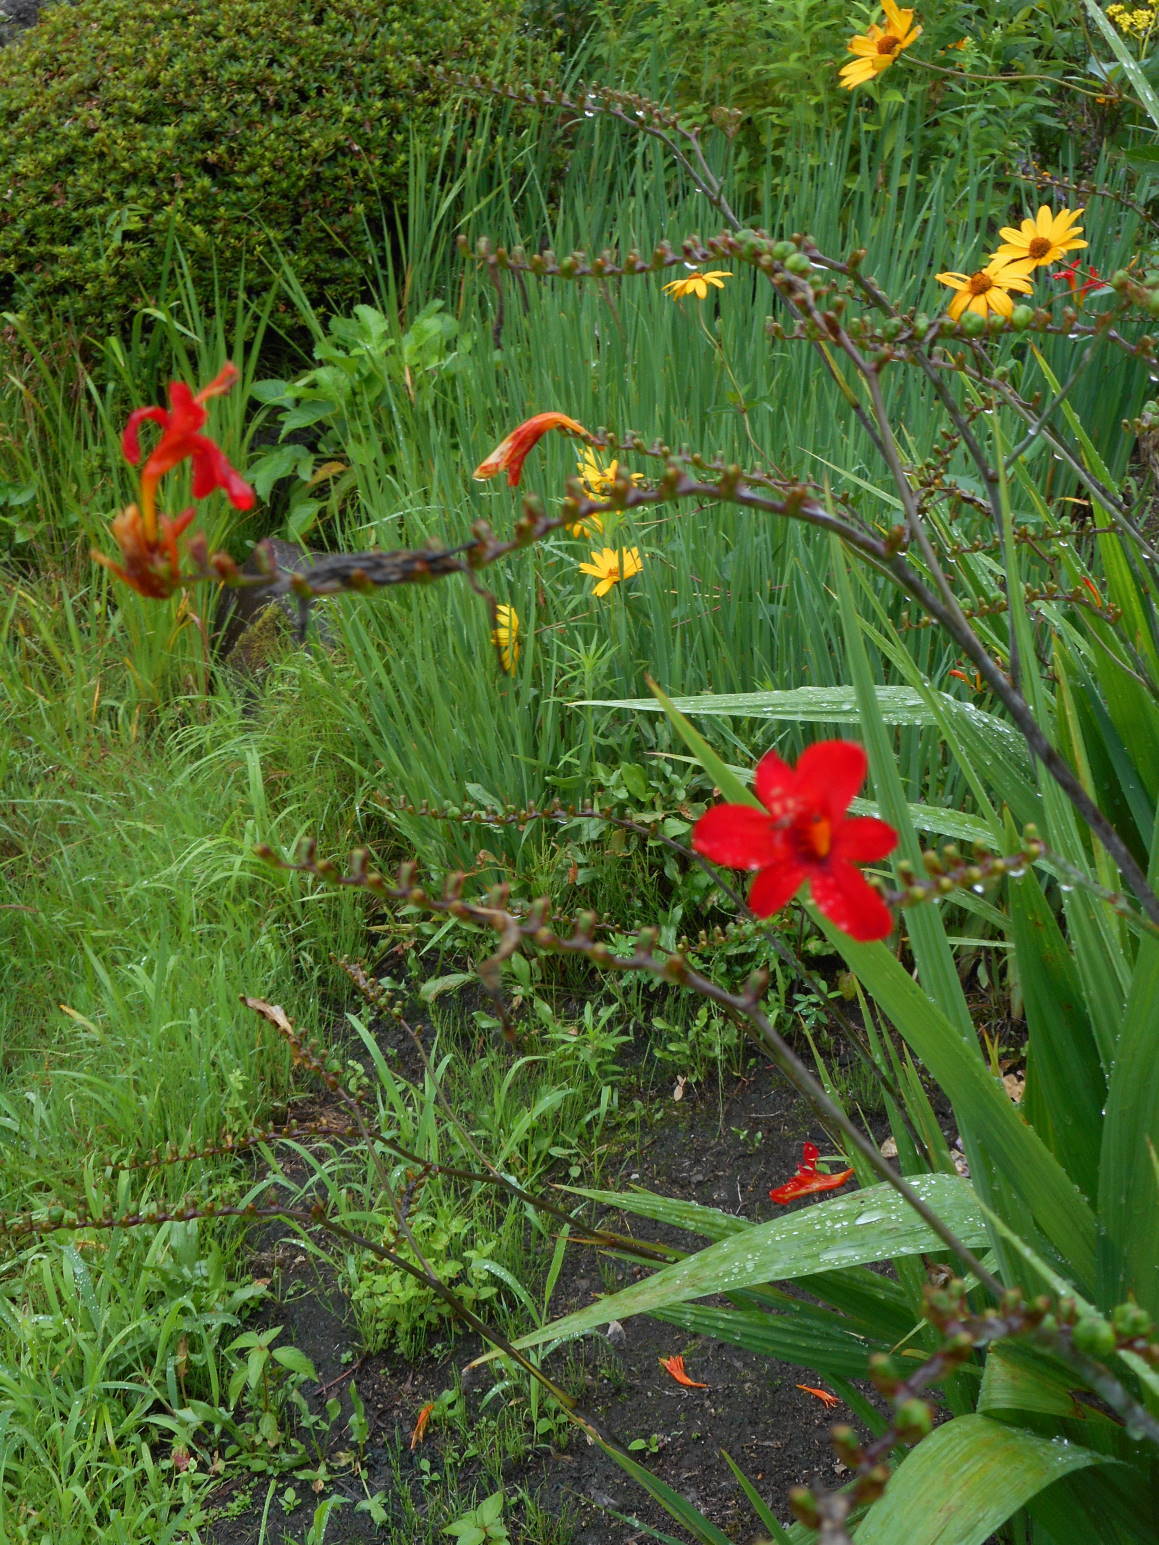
697	283
599	481
986	290
879	47
609	567
589	526
1044	239
505	637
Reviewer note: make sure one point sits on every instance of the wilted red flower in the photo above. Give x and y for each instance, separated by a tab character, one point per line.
181	424
809	1179
510	454
1072	274
806	835
675	1367
151	564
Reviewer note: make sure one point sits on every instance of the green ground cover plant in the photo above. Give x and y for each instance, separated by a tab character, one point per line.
865	465
235	128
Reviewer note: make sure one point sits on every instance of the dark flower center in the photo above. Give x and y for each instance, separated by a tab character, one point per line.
979	283
815	835
1039	247
888	44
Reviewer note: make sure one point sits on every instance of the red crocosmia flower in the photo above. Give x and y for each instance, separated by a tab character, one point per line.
806	835
509	456
151	564
809	1178
181	424
675	1367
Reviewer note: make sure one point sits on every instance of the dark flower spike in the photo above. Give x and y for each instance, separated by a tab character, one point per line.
806	835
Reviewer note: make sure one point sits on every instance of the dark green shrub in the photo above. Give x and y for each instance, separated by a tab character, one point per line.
229	125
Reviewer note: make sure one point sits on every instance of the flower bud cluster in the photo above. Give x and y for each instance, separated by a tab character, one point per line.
949	870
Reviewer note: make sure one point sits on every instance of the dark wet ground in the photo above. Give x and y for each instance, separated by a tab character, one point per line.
705	1148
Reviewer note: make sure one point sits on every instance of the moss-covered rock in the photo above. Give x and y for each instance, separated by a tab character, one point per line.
232	124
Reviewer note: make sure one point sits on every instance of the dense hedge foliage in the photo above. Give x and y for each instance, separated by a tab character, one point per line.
231	124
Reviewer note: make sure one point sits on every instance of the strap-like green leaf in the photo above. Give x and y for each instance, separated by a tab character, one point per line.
980	1103
872	1225
1128	1184
964	1480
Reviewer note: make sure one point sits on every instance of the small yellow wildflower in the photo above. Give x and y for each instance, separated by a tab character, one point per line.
697	283
506	637
609	567
879	47
986	290
1044	239
1135	23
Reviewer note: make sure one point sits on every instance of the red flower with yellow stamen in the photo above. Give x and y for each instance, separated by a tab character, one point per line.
809	1178
804	833
182	440
510	454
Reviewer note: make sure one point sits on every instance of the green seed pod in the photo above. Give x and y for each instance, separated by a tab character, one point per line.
972	325
1094	1337
799	264
783	250
914	1420
1130	1322
1021	318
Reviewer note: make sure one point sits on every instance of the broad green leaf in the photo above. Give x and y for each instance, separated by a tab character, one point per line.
1019	1378
1113	1505
965	1480
872	1225
996	769
1065	1088
829	705
692	1217
1128	1188
980	1103
1136	623
932	954
800	1338
868	1303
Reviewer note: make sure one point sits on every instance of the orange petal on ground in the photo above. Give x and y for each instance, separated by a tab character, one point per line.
675	1367
420	1426
820	1394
